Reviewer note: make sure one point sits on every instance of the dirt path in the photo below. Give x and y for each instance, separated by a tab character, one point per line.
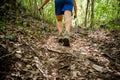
93	55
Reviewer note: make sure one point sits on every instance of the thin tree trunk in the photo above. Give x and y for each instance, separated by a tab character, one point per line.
88	1
92	13
118	11
30	6
36	11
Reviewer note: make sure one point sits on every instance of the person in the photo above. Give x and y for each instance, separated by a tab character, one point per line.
63	8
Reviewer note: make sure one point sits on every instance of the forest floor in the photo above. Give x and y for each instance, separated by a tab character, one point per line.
31	52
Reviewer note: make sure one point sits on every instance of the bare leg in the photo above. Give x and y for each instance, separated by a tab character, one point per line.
68	20
59	23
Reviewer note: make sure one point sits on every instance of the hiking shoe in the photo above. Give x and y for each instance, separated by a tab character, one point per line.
66	40
60	38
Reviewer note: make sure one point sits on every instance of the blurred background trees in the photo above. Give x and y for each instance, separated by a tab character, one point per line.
91	13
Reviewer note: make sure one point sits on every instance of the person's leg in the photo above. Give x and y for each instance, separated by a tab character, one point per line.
68	21
68	24
59	23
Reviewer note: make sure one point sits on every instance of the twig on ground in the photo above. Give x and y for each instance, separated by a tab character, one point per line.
55	51
36	52
40	68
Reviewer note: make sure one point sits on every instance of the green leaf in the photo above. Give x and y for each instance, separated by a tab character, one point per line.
11	37
20	23
2	28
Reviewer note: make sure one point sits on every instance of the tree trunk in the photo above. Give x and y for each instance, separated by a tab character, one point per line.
35	7
88	1
92	13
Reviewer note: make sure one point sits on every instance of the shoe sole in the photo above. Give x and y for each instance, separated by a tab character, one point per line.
60	40
66	42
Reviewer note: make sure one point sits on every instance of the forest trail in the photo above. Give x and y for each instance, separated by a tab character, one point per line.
37	55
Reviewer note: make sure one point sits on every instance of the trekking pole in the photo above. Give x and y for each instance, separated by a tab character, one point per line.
75	25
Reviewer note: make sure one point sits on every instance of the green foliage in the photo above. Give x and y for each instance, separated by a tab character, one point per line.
49	12
113	26
11	37
25	24
19	23
2	28
105	11
31	9
22	23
